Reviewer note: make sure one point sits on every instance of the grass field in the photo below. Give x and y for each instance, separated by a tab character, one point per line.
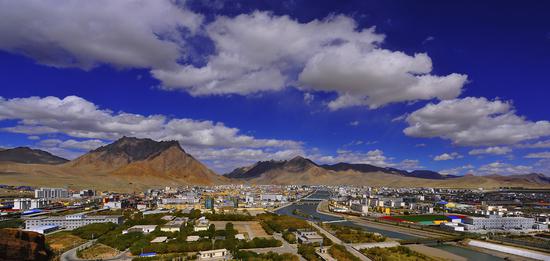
63	241
251	228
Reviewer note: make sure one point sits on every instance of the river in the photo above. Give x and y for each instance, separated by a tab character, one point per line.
309	207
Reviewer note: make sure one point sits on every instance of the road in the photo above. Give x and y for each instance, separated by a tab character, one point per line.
336	240
285	248
71	254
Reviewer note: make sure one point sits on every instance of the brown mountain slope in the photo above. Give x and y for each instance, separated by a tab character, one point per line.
29	156
126	164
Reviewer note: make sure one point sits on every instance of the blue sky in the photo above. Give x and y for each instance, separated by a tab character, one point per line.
454	87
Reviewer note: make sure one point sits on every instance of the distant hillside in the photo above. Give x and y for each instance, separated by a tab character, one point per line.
300	170
29	156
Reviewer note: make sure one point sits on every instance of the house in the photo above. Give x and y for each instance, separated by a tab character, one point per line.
192	238
159	240
305	236
201	224
145	229
174	225
216	254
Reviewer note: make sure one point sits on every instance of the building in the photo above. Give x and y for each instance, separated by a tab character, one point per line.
209	203
361	208
70	222
51	193
145	229
44	229
201	224
305	236
272	197
28	203
174	225
497	222
216	254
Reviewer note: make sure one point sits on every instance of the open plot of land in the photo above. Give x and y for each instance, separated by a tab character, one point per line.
416	218
436	253
63	241
252	228
98	251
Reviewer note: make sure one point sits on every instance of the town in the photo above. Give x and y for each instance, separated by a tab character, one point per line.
290	222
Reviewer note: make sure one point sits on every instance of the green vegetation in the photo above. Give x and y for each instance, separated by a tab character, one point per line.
399	253
300	213
341	253
281	223
120	241
354	235
12	223
307	251
251	256
289	237
92	231
259	243
229	217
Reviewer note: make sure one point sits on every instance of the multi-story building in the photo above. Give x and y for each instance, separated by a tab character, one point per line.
28	203
497	222
305	236
70	222
51	193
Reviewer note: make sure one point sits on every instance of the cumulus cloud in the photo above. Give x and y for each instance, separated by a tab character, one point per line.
79	118
137	34
457	170
474	122
543	144
539	155
500	168
448	156
491	150
85	145
354	123
252	53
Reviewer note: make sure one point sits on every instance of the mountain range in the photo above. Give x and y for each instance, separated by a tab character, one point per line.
130	164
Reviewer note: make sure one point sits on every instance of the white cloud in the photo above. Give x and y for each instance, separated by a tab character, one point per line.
33	137
539	155
448	156
252	53
373	157
308	97
376	77
537	145
80	118
354	123
491	150
474	122
137	34
85	145
501	168
457	170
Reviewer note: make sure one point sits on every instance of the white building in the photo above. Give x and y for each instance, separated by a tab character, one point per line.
145	229
28	203
70	222
51	193
498	222
216	254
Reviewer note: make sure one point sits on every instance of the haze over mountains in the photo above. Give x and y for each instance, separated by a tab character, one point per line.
133	163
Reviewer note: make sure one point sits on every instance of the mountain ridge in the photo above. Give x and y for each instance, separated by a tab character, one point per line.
27	155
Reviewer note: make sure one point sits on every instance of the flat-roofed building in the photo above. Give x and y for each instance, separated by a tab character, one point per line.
51	193
70	222
216	254
305	236
498	222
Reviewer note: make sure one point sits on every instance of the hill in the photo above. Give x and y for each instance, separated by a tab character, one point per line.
29	156
126	164
300	170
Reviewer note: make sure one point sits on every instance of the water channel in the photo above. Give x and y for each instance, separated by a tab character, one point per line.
309	208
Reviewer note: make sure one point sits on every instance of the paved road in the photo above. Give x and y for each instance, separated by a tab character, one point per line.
71	254
336	240
285	248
